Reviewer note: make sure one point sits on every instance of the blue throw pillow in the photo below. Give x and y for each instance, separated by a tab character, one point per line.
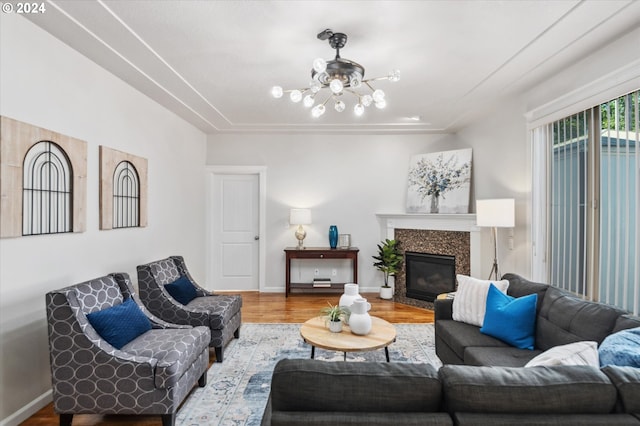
182	290
120	324
509	319
621	348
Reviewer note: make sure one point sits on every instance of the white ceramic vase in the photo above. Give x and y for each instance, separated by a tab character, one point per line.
360	320
350	294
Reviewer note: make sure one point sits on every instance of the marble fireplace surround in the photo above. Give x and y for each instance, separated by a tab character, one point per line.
449	234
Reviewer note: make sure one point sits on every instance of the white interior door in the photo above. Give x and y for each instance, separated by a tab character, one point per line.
235	231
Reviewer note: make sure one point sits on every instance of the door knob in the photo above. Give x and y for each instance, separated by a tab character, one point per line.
257	237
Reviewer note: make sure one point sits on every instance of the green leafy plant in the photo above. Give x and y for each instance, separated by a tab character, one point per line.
335	313
388	259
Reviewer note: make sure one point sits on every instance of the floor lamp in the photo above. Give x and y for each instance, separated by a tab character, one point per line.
496	213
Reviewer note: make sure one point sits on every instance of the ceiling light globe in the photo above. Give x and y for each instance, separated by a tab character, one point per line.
336	86
339	106
358	109
276	92
319	65
381	104
308	101
367	100
295	96
317	110
315	86
394	75
378	95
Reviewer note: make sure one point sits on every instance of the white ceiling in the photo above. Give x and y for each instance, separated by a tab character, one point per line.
214	62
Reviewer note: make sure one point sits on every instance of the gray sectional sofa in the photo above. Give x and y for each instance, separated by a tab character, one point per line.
493	389
309	392
562	318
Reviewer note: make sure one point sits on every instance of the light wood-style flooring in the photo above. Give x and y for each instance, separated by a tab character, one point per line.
257	308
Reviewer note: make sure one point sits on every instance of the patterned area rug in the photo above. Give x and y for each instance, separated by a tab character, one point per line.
237	389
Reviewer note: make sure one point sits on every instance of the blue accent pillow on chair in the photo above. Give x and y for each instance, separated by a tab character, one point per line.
120	324
621	348
510	319
182	290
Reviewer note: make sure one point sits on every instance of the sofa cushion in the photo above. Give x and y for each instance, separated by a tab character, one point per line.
626	321
627	381
469	305
519	286
220	308
558	390
481	419
510	319
182	290
174	349
459	336
621	348
301	384
499	356
566	319
120	324
579	353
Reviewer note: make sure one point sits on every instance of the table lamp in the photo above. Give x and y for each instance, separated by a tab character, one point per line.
300	217
495	213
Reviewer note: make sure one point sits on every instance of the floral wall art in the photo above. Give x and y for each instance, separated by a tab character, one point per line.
439	182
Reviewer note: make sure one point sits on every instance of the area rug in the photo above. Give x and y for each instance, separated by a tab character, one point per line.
237	389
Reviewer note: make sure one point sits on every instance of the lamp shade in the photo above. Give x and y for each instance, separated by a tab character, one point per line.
300	217
497	212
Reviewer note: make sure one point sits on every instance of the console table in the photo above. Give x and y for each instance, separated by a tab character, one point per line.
319	253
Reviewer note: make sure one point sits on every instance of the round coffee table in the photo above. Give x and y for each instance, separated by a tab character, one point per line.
316	333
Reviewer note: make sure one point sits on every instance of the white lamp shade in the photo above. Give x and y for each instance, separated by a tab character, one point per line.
300	217
499	213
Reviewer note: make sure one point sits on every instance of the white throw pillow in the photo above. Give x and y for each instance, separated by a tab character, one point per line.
579	353
470	302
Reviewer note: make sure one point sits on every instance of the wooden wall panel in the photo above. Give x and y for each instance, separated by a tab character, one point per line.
109	159
16	138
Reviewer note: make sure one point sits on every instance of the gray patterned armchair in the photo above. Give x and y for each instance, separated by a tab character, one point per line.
221	313
151	375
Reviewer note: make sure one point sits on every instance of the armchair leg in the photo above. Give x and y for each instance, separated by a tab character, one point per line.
65	419
219	351
202	381
236	333
169	419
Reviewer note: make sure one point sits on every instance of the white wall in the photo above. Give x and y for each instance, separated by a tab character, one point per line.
45	83
345	180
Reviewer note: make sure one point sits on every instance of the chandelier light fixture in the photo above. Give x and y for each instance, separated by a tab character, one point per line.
338	76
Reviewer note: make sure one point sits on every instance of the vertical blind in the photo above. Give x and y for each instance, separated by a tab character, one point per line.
593	194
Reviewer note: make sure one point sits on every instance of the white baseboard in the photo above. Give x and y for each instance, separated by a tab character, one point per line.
28	410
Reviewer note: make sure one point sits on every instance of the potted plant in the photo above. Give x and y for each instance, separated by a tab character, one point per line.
335	315
388	261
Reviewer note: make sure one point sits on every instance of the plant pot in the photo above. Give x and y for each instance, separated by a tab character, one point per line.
335	326
386	293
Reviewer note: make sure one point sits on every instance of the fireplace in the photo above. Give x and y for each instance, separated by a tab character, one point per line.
428	275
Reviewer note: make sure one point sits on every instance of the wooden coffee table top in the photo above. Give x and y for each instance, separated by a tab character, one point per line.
316	333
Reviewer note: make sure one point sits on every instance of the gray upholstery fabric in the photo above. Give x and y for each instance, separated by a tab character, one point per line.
303	385
479	419
340	418
627	381
90	376
519	287
499	356
459	336
222	314
566	319
625	322
443	309
556	390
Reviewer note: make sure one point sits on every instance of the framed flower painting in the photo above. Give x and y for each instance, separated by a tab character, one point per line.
439	182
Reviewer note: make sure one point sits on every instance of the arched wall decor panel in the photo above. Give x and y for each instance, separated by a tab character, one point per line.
16	139
123	189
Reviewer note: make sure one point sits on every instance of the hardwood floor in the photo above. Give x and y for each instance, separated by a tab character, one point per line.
257	308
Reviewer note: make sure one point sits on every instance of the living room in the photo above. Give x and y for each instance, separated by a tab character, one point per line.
344	174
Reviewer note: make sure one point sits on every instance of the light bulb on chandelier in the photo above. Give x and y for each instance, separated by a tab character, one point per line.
339	76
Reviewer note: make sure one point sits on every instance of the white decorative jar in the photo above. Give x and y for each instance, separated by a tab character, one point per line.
335	326
350	294
360	320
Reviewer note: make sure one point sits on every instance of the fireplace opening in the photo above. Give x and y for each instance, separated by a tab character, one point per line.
428	275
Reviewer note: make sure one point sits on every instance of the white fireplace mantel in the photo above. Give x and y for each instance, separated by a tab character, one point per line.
436	222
